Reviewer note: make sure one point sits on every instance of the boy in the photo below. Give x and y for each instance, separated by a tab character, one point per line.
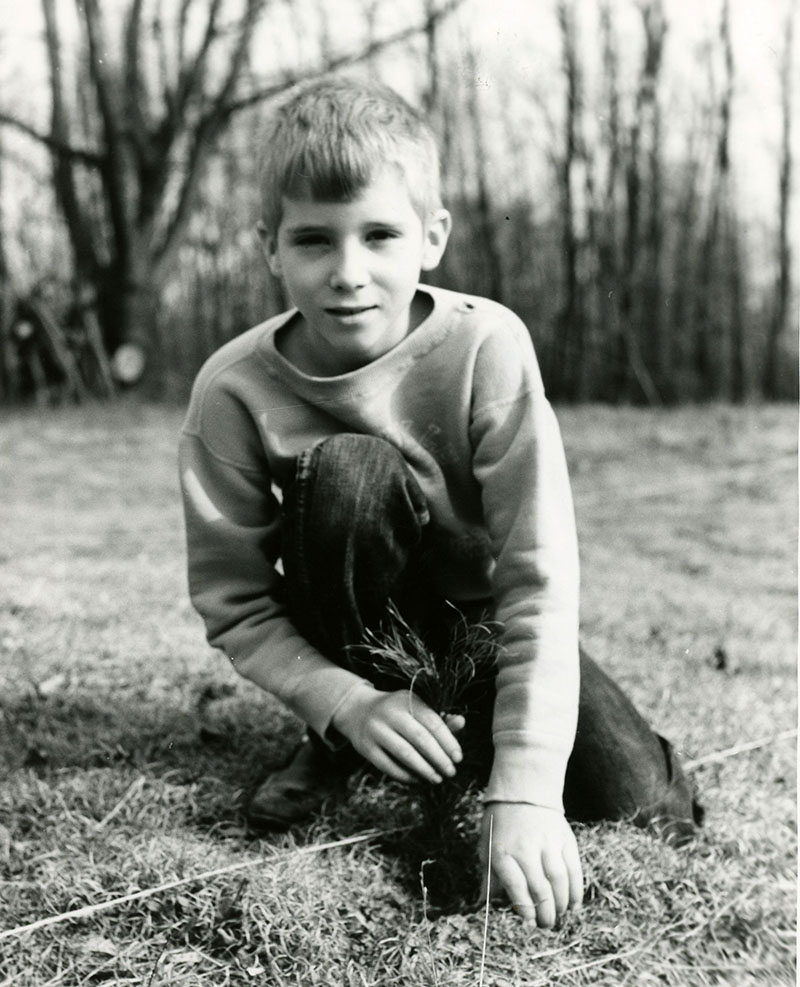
418	461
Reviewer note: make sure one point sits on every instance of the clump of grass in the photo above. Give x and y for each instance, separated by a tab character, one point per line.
440	848
444	681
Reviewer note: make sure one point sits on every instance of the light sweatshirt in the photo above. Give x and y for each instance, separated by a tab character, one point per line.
461	397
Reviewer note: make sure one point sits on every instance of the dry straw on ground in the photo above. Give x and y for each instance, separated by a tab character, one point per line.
128	748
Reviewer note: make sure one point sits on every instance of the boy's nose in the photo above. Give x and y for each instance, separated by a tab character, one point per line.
350	270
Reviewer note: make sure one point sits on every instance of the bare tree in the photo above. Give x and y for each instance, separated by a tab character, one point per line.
7	377
567	351
603	172
603	197
128	169
708	314
484	212
640	256
772	374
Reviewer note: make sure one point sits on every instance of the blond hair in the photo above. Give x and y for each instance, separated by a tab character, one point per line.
330	139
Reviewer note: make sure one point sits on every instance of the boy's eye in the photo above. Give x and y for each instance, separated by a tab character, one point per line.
383	234
310	240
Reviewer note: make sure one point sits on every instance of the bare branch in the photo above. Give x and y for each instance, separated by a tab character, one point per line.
343	61
101	77
79	155
114	123
245	30
83	245
163	59
222	108
191	76
204	137
206	129
183	17
135	103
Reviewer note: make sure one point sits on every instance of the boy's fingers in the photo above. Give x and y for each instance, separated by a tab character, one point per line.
555	872
572	862
542	893
529	890
441	733
512	879
409	756
388	766
432	746
455	722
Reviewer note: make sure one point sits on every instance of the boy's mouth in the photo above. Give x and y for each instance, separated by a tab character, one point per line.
345	311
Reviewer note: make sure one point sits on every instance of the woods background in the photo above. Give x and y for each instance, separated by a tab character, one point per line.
595	177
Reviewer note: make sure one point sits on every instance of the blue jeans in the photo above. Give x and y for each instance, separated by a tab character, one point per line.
354	532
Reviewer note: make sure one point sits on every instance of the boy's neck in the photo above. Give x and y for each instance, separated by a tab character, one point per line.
293	342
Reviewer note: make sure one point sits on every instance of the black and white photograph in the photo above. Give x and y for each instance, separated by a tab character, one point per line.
399	462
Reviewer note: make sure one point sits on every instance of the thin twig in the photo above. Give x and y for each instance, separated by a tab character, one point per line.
135	785
152	976
640	948
717	914
89	910
738	749
581	967
602	960
488	897
427	921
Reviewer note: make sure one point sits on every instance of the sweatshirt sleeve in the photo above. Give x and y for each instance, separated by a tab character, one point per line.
520	465
232	520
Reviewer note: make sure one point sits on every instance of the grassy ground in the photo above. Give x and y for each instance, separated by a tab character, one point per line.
127	747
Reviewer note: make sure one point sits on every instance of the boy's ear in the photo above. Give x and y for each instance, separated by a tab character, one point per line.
269	244
437	233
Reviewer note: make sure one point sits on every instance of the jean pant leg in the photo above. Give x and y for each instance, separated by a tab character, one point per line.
620	768
353	520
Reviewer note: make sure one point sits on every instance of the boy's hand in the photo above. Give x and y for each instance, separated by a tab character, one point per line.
400	734
534	859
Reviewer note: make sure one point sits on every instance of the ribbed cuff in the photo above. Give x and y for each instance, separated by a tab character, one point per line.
525	771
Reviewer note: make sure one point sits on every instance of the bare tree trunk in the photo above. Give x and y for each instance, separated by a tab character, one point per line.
7	370
655	350
430	97
736	313
485	213
642	239
567	351
773	376
712	366
604	212
732	277
680	327
85	258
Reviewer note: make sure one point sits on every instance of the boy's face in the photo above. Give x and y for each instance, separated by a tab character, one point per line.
351	268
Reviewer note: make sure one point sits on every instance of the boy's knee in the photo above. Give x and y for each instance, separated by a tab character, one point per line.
350	451
360	472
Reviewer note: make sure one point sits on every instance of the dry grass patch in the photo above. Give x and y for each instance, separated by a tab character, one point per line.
127	747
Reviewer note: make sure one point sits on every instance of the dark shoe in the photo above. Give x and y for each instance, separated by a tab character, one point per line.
297	791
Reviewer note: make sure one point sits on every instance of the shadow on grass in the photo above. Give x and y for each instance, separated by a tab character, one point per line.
219	746
219	743
430	832
215	745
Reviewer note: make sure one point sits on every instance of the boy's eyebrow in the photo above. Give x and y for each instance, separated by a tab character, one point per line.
307	228
301	228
